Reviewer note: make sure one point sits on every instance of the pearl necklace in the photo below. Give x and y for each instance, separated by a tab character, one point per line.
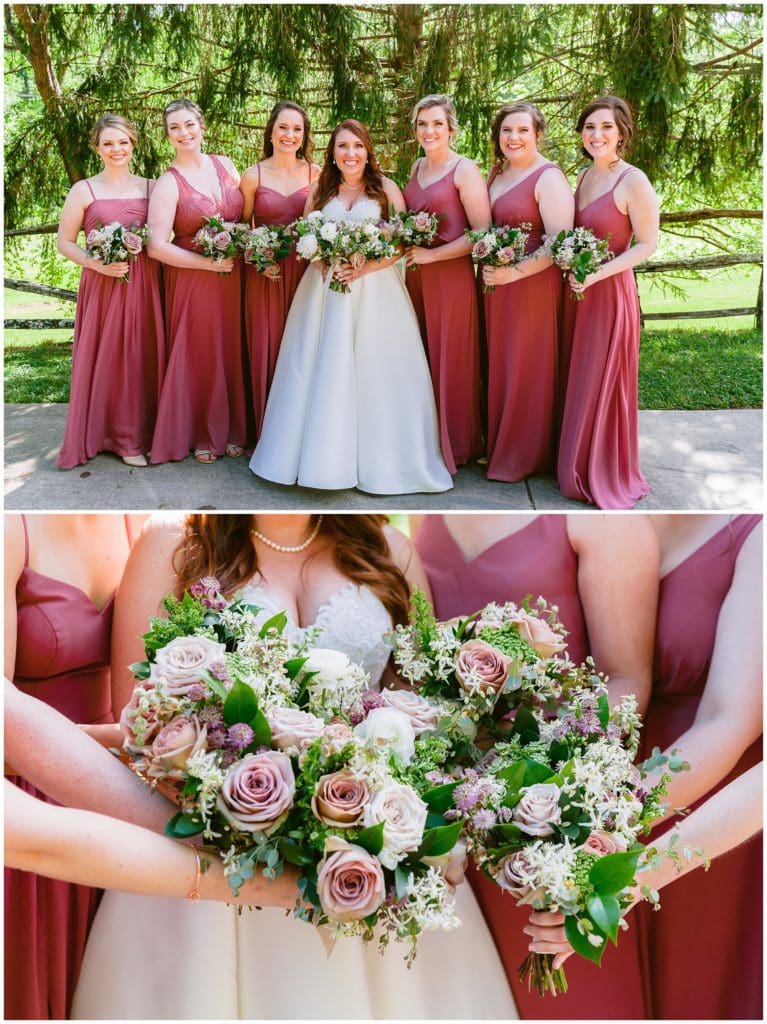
289	549
352	188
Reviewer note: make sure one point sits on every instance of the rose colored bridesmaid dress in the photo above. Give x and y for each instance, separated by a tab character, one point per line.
118	359
445	300
599	444
267	301
704	946
537	560
62	658
522	323
202	403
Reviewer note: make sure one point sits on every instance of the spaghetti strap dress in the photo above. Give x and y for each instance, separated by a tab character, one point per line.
202	403
267	301
62	658
709	927
522	325
118	358
599	445
445	299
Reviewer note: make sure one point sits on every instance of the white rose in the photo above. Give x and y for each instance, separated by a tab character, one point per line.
388	727
332	667
538	809
329	231
370	229
306	246
404	815
315	215
293	728
423	715
182	662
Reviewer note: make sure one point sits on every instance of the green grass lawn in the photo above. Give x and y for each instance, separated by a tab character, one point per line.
730	288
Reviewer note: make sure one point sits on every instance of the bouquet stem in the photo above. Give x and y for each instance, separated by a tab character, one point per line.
537	971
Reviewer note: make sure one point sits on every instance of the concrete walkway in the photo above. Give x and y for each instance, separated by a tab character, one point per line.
693	460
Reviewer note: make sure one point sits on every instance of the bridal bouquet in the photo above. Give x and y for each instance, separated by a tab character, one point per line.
277	752
416	228
266	245
498	247
578	251
220	239
342	241
114	243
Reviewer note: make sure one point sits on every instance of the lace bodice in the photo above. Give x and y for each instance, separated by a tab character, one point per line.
353	620
363	209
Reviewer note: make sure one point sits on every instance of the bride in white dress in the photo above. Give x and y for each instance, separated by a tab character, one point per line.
149	957
351	402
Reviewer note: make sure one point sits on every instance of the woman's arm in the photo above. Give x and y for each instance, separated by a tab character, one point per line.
78	199
618	587
162	213
248	186
473	192
14	566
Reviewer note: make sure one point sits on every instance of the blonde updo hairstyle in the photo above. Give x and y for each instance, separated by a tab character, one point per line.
437	100
112	121
182	104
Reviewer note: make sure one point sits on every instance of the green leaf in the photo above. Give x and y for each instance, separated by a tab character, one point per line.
613	872
605	911
441	797
182	825
140	669
580	943
558	751
513	777
293	853
508	831
525	726
214	685
262	733
536	772
294	665
437	841
278	622
191	786
371	838
434	820
240	704
400	881
603	711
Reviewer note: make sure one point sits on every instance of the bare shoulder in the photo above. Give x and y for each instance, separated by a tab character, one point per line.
636	183
467	172
631	533
160	535
250	176
400	547
391	188
166	187
79	193
15	546
316	171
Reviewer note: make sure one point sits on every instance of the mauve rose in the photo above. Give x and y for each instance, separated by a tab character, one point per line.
481	667
539	635
293	728
340	799
182	662
505	255
601	844
538	809
422	221
480	250
350	882
267	252
222	240
423	715
512	872
336	735
174	745
404	815
357	261
94	236
132	243
127	720
258	792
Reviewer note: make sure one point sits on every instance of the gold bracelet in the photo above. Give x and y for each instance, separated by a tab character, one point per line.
194	896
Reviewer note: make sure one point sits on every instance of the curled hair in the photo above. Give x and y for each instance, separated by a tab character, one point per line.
437	99
624	120
112	121
222	546
306	148
181	104
330	177
521	107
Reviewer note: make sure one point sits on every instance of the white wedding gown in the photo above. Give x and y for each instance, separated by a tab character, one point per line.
160	958
352	403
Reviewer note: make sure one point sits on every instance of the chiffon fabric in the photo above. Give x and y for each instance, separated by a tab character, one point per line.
62	658
267	301
445	300
351	403
536	560
709	927
143	958
522	330
202	403
599	445
118	358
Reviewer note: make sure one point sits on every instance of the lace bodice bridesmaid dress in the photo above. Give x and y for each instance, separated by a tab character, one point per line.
202	403
118	358
599	445
144	957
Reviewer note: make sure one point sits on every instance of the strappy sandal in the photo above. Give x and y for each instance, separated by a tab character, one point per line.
205	456
234	451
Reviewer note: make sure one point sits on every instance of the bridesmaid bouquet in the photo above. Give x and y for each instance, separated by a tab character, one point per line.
415	228
265	246
277	752
342	241
578	251
498	247
220	239
114	243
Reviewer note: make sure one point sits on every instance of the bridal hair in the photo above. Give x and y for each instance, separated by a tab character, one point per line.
222	546
182	104
624	120
306	148
437	99
521	107
113	121
329	180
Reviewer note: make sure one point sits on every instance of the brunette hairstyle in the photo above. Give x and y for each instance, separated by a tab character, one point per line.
437	99
182	104
307	144
522	107
624	120
222	546
112	121
330	176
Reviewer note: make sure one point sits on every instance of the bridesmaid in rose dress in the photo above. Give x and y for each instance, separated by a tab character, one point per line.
274	191
61	573
602	573
522	314
202	403
599	444
118	358
707	702
442	286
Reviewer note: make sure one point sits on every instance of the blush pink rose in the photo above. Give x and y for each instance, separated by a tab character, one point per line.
222	240
601	844
132	243
174	745
514	873
480	250
481	668
258	792
539	635
128	716
340	799
422	221
181	662
538	809
350	881
292	728
424	716
506	255
358	261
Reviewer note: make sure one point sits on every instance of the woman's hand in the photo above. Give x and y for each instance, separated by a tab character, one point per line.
581	286
225	266
346	273
273	272
417	255
548	936
499	275
108	269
